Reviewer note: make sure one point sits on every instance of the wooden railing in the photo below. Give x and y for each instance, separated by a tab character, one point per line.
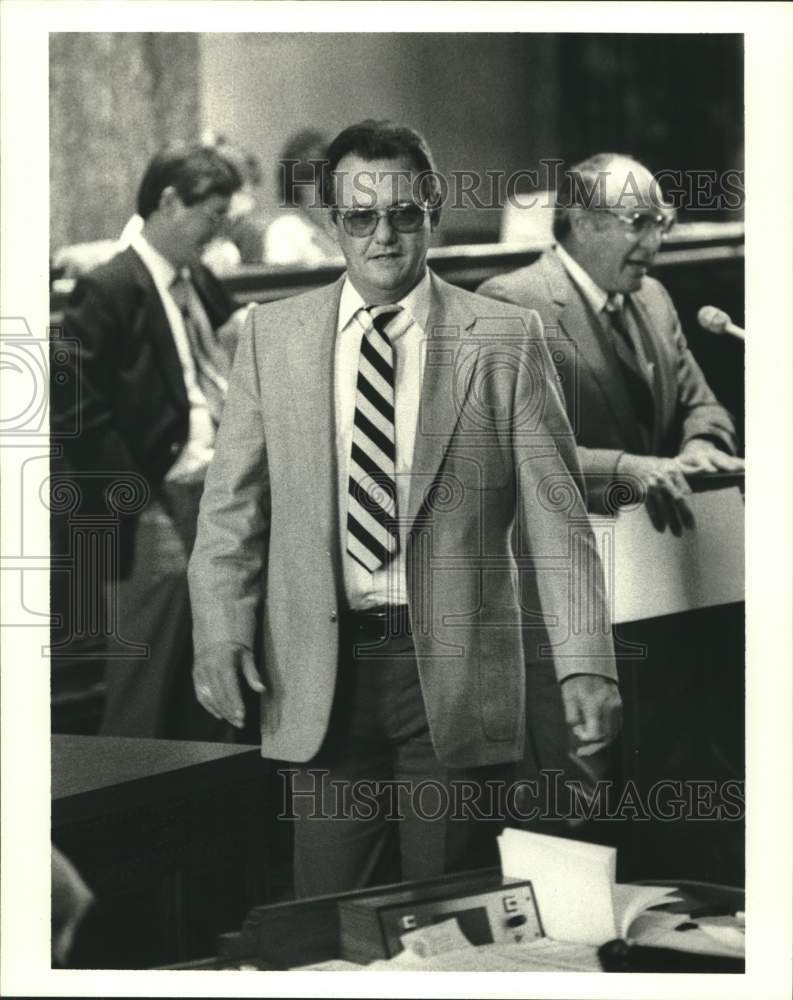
466	266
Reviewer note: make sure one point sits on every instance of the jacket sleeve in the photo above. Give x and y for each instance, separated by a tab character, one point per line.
699	412
566	583
226	571
83	401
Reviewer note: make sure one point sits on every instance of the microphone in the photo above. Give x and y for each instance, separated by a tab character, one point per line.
717	321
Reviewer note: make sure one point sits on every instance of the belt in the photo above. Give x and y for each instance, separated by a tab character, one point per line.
384	620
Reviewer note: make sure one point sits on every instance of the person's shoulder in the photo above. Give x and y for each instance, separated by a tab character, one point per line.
122	266
485	310
654	295
118	283
122	271
518	285
483	306
293	306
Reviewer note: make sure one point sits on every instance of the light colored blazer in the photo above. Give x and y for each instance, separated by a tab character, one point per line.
598	404
493	457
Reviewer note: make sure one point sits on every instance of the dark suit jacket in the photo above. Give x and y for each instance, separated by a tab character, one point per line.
595	393
125	392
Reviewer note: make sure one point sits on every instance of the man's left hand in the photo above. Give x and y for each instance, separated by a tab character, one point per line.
593	711
701	455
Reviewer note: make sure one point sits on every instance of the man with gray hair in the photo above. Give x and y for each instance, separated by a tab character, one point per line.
639	404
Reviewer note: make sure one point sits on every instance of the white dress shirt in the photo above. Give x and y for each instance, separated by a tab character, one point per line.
387	585
191	465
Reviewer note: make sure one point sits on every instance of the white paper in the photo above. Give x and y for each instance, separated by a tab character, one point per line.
331	965
630	900
700	940
701	569
572	883
435	939
539	955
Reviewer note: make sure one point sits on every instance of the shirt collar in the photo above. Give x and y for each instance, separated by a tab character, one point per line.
594	294
416	303
161	269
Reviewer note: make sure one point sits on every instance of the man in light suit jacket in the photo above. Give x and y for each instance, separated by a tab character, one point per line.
641	409
384	440
147	403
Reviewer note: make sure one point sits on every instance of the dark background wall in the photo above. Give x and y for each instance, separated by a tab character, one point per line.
485	102
674	101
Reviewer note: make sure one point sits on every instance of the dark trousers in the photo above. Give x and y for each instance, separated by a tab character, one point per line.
375	804
151	694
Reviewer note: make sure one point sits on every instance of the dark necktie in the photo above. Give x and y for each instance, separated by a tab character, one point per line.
208	355
637	378
372	531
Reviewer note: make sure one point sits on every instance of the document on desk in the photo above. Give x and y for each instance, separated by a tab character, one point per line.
574	886
572	883
722	935
435	939
539	955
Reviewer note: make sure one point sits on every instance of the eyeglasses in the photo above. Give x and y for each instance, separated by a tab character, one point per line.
639	224
403	218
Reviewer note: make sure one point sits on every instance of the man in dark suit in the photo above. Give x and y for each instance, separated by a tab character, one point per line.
150	370
641	409
384	441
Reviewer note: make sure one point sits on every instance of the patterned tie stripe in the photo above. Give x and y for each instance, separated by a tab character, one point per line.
372	528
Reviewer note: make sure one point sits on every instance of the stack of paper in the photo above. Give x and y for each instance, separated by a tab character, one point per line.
574	885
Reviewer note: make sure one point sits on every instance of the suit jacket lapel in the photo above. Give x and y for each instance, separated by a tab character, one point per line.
576	321
441	395
310	355
154	325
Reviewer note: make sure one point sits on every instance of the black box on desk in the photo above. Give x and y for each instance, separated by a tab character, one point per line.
371	928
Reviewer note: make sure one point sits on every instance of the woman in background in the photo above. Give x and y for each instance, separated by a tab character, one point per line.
297	235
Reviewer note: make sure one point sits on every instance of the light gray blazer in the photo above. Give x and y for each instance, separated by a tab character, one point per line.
494	459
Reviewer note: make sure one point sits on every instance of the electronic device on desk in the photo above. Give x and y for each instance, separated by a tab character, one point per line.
371	927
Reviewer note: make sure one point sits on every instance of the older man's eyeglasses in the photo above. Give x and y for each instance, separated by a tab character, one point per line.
402	218
640	224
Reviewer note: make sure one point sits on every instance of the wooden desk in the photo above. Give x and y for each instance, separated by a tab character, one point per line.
172	838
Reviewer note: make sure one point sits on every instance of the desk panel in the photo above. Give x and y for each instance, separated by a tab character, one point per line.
172	838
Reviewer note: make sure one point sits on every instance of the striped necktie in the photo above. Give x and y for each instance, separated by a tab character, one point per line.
637	377
208	356
372	530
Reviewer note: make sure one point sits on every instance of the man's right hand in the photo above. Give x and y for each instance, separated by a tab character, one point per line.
665	489
216	680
